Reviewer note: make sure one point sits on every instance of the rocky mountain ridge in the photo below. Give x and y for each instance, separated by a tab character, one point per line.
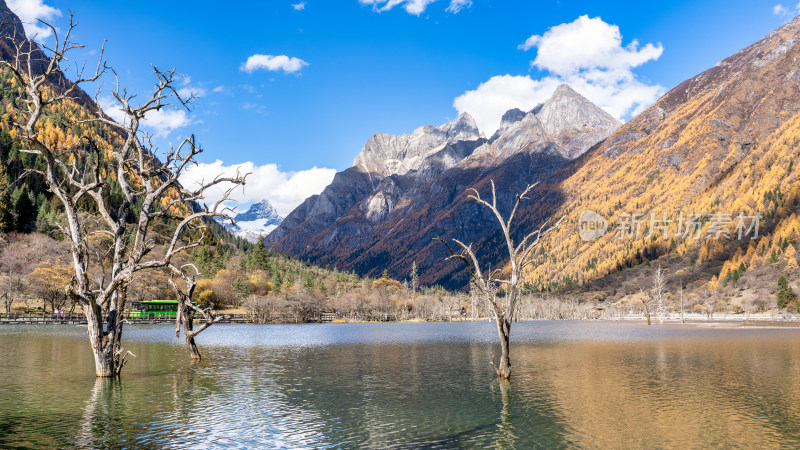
567	124
724	141
394	176
385	154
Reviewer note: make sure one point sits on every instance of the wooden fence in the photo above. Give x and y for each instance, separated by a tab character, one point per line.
74	318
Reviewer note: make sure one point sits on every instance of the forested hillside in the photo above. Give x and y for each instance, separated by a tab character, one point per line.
234	274
718	150
704	183
35	264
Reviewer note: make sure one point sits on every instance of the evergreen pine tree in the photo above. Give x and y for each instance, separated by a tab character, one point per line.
414	279
6	216
41	215
259	257
25	209
785	294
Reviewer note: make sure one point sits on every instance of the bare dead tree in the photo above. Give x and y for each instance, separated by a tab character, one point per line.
150	188
414	285
187	309
645	298
519	257
658	291
13	285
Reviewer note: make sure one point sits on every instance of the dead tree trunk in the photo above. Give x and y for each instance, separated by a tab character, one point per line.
149	190
646	303
659	291
519	257
504	332
187	309
189	334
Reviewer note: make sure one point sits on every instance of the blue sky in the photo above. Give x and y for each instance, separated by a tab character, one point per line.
351	68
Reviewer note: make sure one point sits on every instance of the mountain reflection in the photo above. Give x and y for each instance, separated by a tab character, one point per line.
429	385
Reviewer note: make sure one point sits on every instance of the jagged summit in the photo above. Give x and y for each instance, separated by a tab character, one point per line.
387	154
511	116
566	124
568	110
565	89
399	185
573	122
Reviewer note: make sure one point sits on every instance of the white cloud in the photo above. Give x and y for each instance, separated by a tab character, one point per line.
273	63
30	12
285	190
162	121
588	55
457	5
415	7
785	12
255	107
219	89
189	91
587	44
299	6
493	98
111	107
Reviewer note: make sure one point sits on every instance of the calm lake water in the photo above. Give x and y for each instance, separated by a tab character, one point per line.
575	384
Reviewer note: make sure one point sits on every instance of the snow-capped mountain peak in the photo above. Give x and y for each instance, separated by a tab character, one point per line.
259	220
260	210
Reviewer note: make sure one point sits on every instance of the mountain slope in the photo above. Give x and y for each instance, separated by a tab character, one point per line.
722	142
718	145
64	125
12	33
405	190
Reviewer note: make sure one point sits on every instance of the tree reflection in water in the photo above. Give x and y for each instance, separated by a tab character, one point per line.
505	435
408	385
97	427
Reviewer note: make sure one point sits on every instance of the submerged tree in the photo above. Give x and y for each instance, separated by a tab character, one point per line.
187	309
519	257
645	299
123	184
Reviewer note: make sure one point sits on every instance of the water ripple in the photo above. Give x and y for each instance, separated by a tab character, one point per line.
576	384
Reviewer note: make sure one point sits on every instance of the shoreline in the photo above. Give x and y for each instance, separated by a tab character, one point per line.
230	319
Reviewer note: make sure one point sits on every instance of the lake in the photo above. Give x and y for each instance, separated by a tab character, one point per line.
406	385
